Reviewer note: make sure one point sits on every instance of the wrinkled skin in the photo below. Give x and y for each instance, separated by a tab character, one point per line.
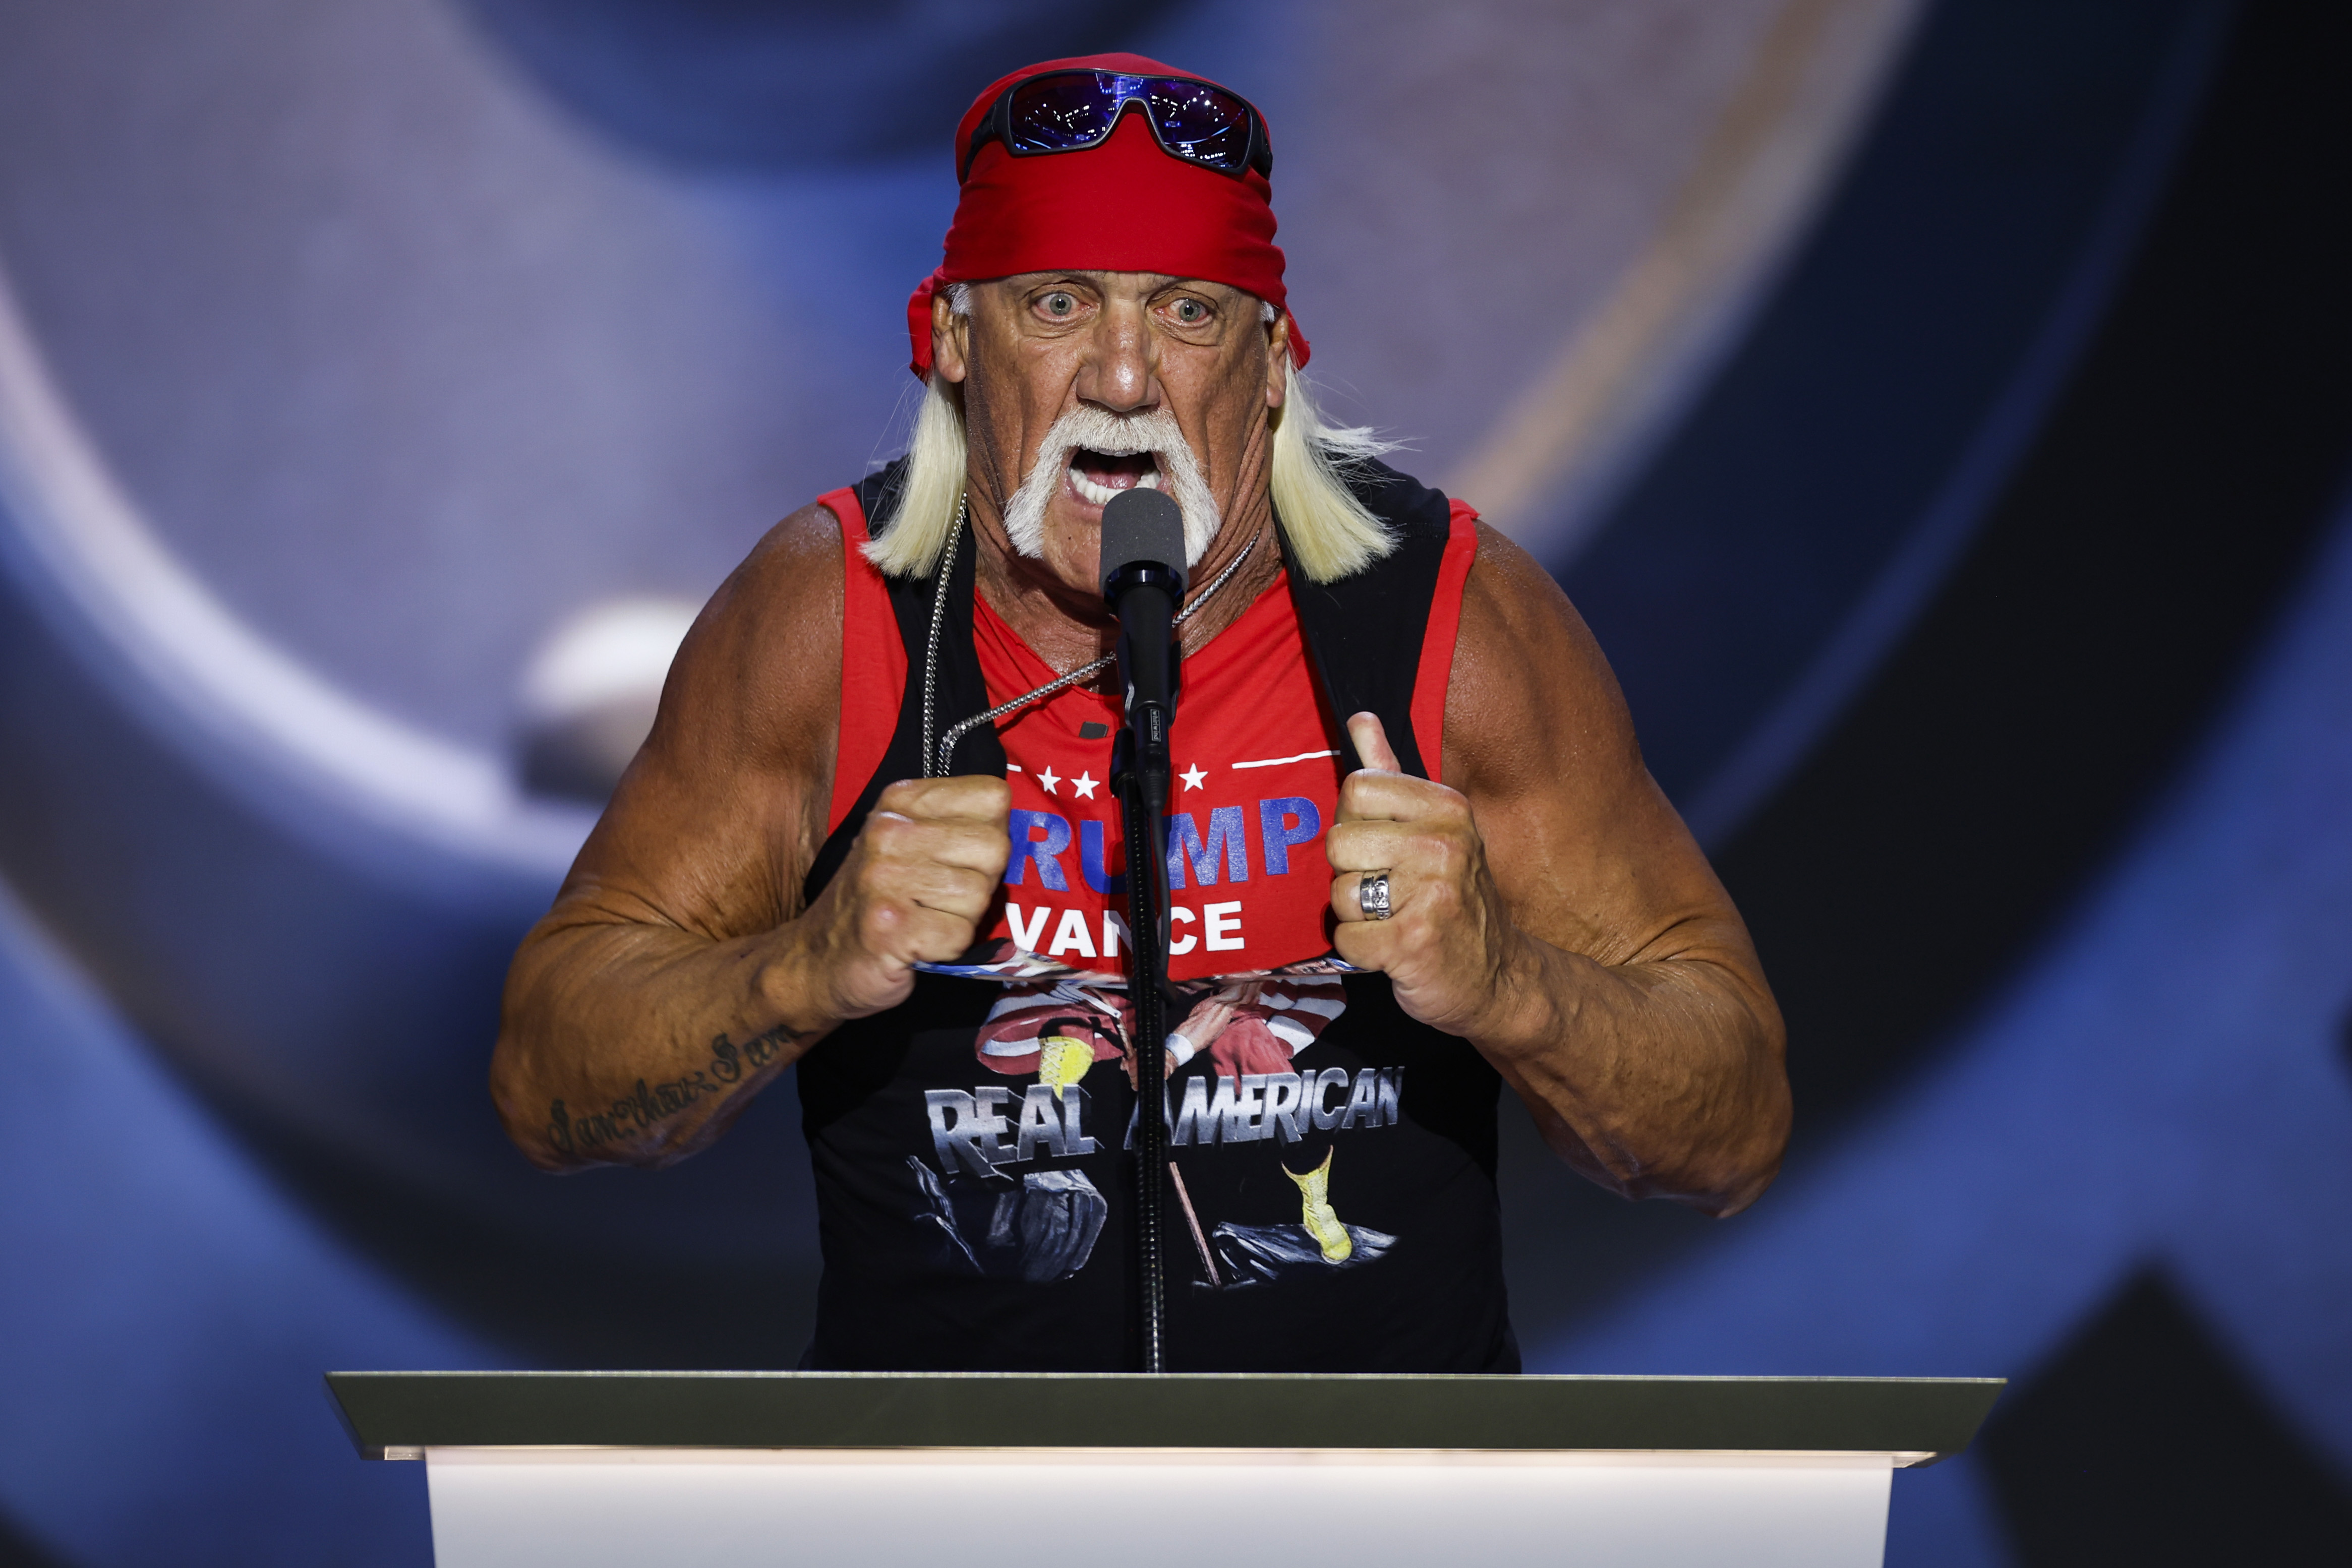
1550	906
1036	346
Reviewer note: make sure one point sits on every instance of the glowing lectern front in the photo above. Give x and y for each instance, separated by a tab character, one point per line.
1019	1469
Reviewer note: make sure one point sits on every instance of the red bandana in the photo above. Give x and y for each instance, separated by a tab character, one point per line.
1124	206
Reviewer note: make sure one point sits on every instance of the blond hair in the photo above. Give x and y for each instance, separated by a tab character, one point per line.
1332	533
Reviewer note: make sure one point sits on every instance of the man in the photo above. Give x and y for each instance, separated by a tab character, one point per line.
871	755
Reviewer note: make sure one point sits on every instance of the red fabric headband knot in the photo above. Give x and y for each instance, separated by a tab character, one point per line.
1124	206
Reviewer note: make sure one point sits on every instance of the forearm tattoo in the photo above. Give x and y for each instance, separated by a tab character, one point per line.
650	1103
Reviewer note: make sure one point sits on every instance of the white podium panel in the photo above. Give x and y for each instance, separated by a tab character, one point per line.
737	1507
888	1469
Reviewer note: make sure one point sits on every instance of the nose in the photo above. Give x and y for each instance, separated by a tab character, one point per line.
1121	370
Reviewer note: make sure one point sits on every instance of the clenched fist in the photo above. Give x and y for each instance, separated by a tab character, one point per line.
1448	940
915	887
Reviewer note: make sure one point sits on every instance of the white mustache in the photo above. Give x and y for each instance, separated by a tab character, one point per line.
1086	428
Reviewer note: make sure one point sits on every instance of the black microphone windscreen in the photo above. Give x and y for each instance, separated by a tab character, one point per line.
1140	525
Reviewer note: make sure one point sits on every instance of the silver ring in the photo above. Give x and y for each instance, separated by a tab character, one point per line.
1372	895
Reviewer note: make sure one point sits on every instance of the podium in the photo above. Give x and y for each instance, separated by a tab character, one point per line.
1181	1470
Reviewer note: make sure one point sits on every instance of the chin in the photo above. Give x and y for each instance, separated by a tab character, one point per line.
1074	551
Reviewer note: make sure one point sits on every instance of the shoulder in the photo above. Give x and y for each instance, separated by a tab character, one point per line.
766	648
1529	687
752	703
799	562
1507	590
728	793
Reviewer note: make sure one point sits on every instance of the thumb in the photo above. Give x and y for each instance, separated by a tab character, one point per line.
1373	742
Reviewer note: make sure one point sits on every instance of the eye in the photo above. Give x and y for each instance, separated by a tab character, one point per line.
1058	305
1191	312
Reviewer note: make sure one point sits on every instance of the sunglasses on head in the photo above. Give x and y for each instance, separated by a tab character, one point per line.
1069	112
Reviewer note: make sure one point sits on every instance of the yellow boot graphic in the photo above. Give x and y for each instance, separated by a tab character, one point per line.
1061	1061
1315	1202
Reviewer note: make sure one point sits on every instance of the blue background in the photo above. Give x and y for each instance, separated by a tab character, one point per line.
1987	606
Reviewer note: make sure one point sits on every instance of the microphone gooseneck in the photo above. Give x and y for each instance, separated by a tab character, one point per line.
1143	577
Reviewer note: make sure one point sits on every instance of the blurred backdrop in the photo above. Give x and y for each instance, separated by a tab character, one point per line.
1939	408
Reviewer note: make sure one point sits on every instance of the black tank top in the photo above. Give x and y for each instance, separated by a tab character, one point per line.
1010	1250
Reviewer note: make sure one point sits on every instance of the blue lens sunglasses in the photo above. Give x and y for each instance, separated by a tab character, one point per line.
1069	112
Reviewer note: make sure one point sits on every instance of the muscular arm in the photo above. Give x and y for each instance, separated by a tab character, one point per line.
1569	925
678	973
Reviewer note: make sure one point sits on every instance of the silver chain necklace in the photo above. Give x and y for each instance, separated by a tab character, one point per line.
935	761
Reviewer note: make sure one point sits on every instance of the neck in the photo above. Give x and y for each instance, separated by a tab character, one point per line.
1068	628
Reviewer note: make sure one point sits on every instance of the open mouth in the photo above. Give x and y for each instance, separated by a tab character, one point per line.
1097	477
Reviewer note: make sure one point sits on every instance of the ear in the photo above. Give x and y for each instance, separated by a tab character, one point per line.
1277	359
949	338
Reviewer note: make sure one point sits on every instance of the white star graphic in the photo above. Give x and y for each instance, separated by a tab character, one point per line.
1047	779
1084	785
1192	777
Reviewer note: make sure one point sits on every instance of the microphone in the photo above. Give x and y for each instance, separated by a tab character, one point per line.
1143	578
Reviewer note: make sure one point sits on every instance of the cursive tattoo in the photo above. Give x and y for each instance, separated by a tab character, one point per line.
649	1103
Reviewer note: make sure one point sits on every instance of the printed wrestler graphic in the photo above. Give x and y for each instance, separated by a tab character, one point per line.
1249	1031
